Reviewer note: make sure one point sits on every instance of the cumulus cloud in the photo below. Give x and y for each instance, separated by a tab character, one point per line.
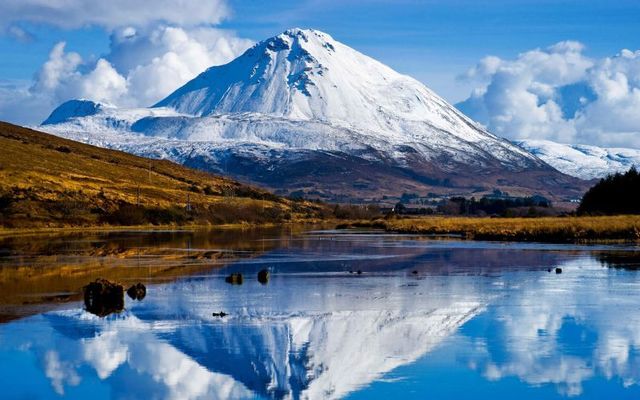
560	94
155	47
157	62
71	14
142	66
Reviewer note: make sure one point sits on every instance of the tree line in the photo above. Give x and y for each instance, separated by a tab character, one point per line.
615	194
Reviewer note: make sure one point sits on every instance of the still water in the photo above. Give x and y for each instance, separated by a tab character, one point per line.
424	318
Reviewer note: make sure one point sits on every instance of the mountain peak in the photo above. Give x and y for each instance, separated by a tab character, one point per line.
305	74
306	35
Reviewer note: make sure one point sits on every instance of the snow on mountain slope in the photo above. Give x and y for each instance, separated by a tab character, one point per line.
305	75
583	161
301	93
302	89
73	109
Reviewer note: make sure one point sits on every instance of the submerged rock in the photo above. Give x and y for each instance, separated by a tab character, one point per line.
137	291
219	314
103	297
263	276
234	279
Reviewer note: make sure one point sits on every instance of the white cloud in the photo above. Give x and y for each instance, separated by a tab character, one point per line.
142	66
559	94
156	46
60	67
102	84
71	14
167	57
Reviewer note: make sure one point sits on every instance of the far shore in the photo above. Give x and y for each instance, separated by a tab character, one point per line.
5	232
619	229
584	229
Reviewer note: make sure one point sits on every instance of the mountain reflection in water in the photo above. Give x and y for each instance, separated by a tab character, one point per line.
484	313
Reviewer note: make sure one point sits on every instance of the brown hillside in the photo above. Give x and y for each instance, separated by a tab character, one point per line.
49	181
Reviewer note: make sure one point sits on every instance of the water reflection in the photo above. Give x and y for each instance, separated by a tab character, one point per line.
39	273
485	313
620	259
585	326
300	345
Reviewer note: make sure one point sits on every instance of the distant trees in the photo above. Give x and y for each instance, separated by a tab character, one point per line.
615	194
352	211
503	206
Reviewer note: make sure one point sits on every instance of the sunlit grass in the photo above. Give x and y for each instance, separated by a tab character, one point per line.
46	181
548	229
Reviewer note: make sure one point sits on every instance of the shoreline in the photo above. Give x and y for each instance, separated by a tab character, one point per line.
7	232
601	229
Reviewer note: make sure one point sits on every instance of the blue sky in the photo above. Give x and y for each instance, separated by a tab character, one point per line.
433	41
436	41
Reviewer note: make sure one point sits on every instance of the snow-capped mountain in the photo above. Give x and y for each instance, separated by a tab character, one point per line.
583	161
302	104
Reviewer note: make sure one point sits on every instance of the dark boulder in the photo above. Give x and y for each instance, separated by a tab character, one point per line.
234	279
219	314
558	270
137	291
263	276
103	297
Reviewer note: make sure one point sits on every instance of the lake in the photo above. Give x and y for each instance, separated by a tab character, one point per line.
345	314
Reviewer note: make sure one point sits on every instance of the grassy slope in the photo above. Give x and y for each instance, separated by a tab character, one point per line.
49	181
548	229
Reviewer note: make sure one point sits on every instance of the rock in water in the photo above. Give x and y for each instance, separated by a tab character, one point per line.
103	297
263	276
234	279
558	270
219	314
137	291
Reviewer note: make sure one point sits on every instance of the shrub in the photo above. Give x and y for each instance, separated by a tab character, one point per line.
126	214
246	211
356	211
163	216
129	214
5	201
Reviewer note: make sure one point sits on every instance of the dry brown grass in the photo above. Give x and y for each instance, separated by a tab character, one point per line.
548	229
49	181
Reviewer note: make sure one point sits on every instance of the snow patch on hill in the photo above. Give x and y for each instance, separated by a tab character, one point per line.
583	161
